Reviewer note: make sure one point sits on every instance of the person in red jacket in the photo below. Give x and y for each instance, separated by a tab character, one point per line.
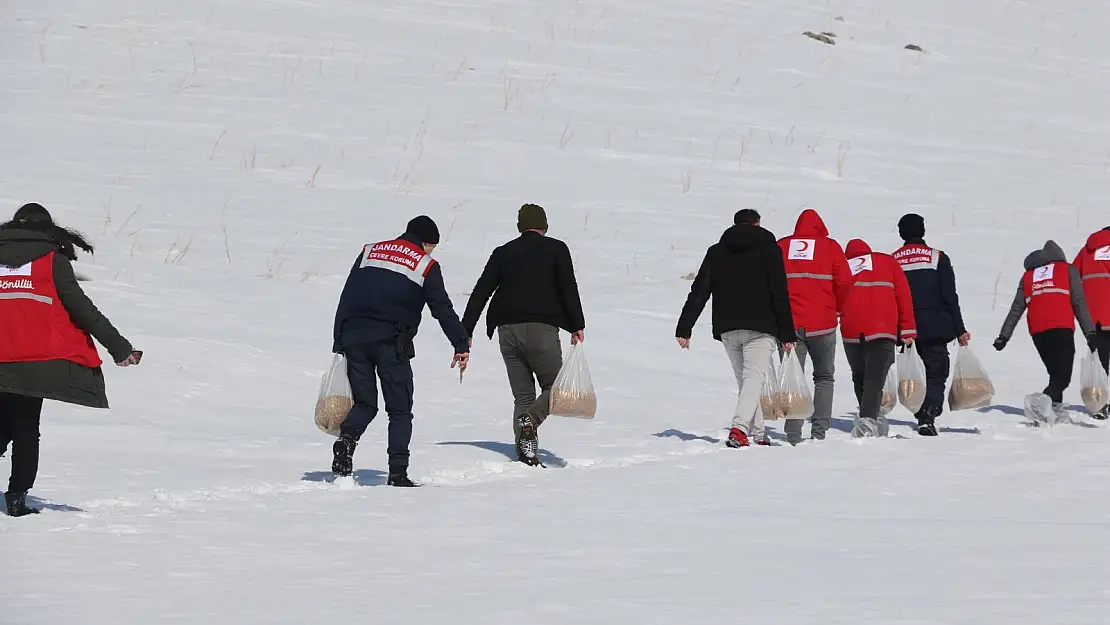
817	277
877	315
1093	264
1052	291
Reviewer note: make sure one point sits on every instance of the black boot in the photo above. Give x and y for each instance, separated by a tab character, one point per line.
343	452
1103	414
17	505
927	429
400	477
528	443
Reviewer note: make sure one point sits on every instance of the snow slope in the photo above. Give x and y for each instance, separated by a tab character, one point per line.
230	158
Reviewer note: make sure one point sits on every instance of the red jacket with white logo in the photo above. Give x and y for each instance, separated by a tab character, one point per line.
37	325
1047	292
817	275
878	304
1093	263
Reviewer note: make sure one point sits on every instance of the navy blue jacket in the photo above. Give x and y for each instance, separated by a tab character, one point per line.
379	302
936	306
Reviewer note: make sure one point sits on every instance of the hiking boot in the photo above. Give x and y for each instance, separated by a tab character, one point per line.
528	443
737	439
343	452
927	429
17	505
400	478
1103	414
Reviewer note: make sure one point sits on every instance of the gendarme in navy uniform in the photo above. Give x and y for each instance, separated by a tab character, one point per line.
378	315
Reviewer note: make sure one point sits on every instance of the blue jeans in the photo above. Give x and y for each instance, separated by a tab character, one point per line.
395	372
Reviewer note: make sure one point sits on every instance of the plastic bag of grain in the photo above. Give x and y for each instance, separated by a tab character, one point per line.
1093	383
573	395
770	398
335	399
971	387
890	392
795	398
911	379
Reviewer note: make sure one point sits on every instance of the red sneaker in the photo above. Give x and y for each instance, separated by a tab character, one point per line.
764	441
737	439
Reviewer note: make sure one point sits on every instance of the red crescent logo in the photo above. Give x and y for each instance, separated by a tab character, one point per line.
805	245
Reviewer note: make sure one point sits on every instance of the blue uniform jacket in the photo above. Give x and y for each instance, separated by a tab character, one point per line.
936	305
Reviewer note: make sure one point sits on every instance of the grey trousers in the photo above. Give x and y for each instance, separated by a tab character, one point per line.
532	354
823	350
750	354
870	363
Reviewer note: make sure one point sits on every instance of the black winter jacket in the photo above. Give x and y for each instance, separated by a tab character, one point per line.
531	280
746	278
936	305
59	380
377	303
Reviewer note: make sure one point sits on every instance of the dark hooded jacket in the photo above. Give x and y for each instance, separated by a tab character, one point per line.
1050	253
59	380
745	276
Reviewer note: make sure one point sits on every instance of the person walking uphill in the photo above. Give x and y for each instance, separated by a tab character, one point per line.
936	307
877	315
817	276
745	276
531	280
1093	264
375	323
1052	291
45	347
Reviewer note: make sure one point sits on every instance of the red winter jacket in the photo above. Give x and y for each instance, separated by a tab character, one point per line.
878	304
1093	263
817	275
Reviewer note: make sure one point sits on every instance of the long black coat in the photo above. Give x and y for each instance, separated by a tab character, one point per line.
531	280
60	380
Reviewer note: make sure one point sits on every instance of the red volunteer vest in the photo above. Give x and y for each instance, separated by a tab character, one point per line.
400	256
1095	272
34	325
1048	297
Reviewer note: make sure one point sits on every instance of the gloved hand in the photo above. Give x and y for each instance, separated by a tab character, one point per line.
1092	342
1000	343
336	348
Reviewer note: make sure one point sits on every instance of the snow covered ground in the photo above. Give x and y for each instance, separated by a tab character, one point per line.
229	158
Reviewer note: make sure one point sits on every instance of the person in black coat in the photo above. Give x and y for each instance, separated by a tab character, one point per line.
745	275
936	307
26	244
535	294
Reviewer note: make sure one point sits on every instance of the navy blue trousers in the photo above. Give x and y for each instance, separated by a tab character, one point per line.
366	365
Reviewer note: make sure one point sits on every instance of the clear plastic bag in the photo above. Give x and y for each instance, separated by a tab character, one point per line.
335	399
911	379
971	386
794	396
573	395
1093	383
770	403
890	392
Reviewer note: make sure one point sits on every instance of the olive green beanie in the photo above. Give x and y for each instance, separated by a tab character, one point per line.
531	217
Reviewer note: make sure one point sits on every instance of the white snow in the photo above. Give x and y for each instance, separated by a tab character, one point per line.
229	158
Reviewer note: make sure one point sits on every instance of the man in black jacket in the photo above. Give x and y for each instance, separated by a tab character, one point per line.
378	315
531	280
745	275
936	307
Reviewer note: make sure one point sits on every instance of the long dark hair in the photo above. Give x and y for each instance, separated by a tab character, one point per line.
36	218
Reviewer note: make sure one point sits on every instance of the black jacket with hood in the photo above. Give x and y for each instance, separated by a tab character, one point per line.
1051	253
746	277
59	380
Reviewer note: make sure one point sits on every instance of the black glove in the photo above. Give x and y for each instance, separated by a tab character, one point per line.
1092	342
1000	343
336	348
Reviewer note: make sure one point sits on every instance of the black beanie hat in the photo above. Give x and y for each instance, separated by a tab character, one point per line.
911	226
425	229
531	217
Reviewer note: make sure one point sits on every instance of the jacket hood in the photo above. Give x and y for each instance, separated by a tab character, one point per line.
1050	253
1098	239
856	247
743	239
810	224
19	247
